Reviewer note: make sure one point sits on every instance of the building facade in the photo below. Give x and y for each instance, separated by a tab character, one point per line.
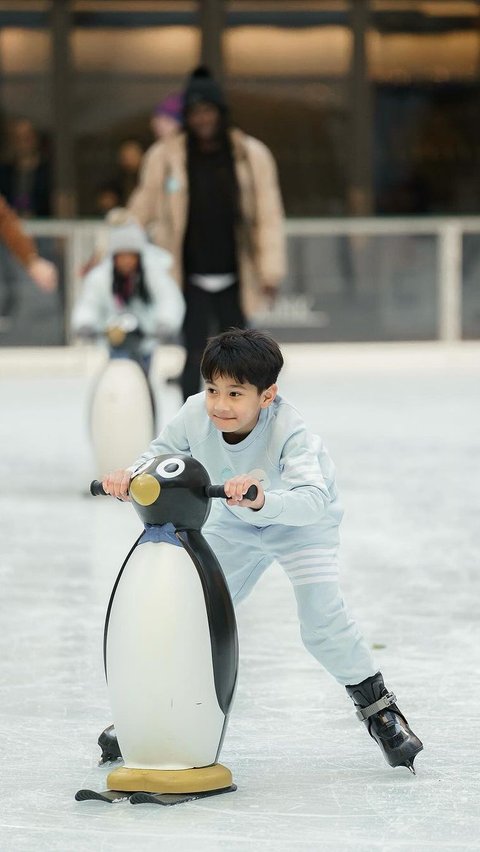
370	107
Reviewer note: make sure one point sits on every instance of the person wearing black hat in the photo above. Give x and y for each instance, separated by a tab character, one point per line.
210	196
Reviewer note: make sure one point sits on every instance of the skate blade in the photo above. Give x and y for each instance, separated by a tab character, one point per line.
167	799
408	762
110	796
406	759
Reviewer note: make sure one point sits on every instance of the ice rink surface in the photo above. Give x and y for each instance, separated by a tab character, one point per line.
402	424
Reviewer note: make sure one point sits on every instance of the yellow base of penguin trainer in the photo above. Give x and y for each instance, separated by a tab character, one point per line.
215	777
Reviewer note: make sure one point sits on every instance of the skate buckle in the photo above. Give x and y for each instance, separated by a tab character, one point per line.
364	713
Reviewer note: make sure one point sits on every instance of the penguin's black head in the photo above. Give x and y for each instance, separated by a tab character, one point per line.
171	489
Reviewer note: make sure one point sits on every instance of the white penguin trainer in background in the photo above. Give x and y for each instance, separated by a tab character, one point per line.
122	405
131	302
170	644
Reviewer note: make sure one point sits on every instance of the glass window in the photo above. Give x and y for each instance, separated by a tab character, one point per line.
357	287
25	68
470	288
286	66
127	57
423	61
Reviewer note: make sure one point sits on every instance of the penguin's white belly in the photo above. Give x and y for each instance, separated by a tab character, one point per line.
121	415
159	663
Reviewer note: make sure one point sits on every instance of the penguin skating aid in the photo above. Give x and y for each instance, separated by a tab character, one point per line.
170	644
122	395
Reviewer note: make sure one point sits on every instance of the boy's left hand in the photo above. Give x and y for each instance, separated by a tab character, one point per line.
236	487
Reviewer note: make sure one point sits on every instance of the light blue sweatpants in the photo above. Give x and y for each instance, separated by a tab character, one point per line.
310	561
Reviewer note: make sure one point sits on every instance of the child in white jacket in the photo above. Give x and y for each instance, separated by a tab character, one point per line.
131	288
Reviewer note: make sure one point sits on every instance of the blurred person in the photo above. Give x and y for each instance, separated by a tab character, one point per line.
115	191
129	160
167	117
133	279
23	248
108	197
166	121
25	179
210	196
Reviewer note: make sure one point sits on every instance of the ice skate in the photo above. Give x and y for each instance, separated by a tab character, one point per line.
109	744
386	724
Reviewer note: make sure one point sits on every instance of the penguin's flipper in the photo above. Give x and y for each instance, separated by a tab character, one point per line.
110	796
175	798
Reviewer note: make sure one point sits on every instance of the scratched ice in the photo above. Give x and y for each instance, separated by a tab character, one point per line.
403	426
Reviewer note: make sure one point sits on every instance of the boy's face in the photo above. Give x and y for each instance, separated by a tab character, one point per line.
234	408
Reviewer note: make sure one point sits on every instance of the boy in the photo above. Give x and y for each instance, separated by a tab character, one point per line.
245	434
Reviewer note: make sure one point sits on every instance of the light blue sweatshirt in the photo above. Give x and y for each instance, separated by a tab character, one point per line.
297	526
293	465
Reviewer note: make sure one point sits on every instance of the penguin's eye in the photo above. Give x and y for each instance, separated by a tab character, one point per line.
171	468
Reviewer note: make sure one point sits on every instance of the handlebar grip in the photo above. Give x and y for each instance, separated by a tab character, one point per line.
218	491
96	489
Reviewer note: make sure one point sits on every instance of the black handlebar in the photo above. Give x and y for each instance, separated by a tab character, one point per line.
96	490
218	491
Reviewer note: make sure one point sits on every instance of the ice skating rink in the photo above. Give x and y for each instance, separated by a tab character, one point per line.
402	423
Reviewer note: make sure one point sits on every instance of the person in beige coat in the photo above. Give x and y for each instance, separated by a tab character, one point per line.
210	196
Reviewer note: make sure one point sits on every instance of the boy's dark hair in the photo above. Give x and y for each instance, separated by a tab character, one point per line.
247	355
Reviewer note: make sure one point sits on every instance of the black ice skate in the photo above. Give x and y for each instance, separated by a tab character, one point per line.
386	724
109	744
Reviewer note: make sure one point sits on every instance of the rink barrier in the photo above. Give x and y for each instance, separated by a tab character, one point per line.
312	359
83	237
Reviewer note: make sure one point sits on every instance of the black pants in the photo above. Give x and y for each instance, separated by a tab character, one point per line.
206	314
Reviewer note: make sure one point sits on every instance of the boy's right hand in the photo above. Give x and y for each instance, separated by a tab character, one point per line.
117	483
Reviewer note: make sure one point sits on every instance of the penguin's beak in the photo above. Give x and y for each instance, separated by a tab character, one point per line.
144	489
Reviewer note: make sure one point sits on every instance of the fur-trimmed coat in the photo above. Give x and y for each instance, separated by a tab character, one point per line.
160	202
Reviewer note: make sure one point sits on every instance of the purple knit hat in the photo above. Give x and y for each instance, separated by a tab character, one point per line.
172	106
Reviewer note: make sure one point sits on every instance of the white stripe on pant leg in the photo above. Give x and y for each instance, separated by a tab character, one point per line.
311	562
331	568
308	551
319	578
311	565
302	574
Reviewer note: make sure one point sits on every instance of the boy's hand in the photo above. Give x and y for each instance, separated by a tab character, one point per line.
117	483
238	486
